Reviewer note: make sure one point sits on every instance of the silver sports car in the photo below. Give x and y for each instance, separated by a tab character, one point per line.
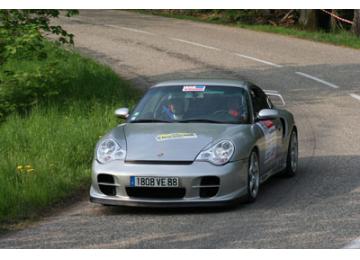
194	143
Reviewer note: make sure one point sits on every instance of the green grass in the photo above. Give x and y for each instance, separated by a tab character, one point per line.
341	38
46	153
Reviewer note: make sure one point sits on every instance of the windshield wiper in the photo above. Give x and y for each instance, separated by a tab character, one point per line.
199	120
150	121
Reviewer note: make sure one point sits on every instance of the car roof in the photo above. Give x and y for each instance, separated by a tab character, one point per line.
207	82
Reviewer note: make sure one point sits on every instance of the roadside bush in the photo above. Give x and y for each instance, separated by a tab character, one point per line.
46	152
54	106
22	89
275	21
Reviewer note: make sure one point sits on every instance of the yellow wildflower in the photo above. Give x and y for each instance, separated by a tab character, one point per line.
29	170
28	166
19	167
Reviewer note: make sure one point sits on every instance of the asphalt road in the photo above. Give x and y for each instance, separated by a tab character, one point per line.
319	208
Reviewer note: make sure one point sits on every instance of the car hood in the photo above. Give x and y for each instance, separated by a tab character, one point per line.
172	142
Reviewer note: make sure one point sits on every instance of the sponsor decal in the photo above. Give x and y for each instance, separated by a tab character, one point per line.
199	88
173	136
269	130
268	123
214	91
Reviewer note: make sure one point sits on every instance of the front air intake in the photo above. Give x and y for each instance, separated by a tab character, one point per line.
155	193
106	178
209	186
107	184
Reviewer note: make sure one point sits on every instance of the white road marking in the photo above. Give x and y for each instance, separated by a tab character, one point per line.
130	29
195	44
355	96
258	60
355	244
237	54
317	79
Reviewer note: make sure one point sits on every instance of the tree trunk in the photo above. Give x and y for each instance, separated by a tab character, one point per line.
356	23
333	22
308	19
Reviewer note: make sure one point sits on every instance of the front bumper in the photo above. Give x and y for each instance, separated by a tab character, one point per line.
232	176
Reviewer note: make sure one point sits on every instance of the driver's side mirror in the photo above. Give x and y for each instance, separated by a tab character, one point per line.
267	114
122	113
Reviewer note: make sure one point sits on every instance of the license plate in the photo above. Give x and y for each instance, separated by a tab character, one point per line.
154	181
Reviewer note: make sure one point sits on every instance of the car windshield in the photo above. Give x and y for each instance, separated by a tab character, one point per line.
203	104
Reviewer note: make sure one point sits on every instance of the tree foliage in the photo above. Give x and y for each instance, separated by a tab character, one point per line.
13	20
309	19
22	31
23	38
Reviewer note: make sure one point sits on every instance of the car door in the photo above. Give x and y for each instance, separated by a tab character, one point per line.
271	130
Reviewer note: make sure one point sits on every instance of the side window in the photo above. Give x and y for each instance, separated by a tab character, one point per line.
259	99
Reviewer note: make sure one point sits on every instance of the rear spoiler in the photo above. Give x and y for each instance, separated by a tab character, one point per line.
275	93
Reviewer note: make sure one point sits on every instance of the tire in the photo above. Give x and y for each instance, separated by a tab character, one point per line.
292	155
253	178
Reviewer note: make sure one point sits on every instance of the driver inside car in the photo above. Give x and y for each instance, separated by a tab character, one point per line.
174	109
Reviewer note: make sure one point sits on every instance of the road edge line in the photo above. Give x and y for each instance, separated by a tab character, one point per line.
317	79
258	60
195	44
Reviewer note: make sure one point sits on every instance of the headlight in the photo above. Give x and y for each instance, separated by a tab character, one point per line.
218	154
109	150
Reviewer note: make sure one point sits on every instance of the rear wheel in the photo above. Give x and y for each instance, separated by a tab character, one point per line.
292	155
253	181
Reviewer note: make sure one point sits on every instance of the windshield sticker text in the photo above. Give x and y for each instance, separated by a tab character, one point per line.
193	88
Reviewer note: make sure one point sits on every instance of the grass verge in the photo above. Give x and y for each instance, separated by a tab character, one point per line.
341	38
46	153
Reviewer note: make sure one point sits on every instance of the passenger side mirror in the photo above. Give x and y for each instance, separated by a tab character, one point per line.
122	113
267	114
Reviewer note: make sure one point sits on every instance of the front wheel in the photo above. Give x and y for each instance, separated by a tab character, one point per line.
253	181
